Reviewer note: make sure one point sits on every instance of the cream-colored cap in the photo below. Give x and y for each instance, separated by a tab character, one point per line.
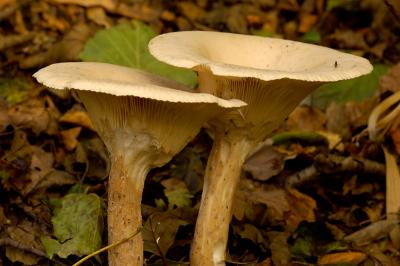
122	81
236	55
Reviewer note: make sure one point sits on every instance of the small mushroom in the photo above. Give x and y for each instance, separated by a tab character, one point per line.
144	120
272	76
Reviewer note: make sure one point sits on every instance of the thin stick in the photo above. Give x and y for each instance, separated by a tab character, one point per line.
107	248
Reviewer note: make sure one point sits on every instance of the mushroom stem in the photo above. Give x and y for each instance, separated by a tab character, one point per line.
126	183
220	182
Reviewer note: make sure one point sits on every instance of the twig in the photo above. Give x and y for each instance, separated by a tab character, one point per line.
395	11
372	232
13	40
332	164
18	245
106	248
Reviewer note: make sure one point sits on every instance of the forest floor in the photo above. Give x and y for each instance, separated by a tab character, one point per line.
316	196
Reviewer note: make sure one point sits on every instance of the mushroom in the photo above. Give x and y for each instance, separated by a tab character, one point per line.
144	120
272	76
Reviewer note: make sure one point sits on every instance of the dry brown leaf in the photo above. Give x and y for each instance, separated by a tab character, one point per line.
99	16
30	114
14	39
4	3
191	11
289	205
353	258
279	248
307	22
70	137
302	207
348	39
41	165
306	118
107	4
16	256
77	116
4	118
55	178
55	23
391	80
236	20
264	162
68	49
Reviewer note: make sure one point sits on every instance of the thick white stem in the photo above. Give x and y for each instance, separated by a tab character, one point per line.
130	165
221	179
124	216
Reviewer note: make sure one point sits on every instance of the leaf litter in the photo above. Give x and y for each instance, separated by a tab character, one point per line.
54	168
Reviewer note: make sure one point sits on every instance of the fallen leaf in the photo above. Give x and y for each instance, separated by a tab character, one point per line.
41	165
250	232
55	178
279	248
16	255
307	21
177	193
126	44
306	118
191	10
70	137
107	4
289	205
67	49
371	232
264	162
77	116
356	89
55	23
78	226
159	232
99	16
352	258
391	80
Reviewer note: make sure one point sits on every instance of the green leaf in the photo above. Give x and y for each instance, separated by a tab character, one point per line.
312	36
126	44
349	90
302	248
14	90
78	226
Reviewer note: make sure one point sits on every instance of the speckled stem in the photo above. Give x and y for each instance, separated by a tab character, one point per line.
220	182
124	215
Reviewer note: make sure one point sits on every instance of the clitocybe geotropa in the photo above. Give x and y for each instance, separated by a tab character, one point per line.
144	120
272	76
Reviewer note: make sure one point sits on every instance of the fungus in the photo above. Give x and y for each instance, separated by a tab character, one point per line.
144	120
272	76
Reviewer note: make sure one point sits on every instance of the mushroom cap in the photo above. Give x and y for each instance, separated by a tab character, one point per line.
236	55
122	81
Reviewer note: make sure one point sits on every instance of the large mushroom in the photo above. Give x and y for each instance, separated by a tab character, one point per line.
144	120
272	76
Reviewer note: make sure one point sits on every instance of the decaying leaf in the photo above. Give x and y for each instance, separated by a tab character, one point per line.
32	114
306	118
77	116
264	162
78	226
279	248
288	205
67	49
351	258
159	232
70	137
177	193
